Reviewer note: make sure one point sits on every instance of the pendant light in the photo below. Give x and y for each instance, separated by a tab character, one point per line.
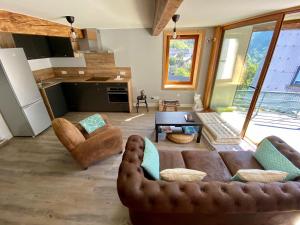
71	20
175	18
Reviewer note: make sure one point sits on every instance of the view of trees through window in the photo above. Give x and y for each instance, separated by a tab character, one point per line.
180	59
256	54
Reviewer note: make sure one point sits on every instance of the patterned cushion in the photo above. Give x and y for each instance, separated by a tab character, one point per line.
211	117
182	174
256	175
271	159
151	159
92	123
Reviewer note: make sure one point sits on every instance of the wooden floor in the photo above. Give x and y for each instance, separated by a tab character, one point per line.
40	184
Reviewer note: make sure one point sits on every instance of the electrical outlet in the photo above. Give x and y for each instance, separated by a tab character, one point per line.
122	73
154	97
81	72
64	72
178	95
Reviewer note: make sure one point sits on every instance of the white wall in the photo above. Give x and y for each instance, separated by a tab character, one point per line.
138	49
4	131
38	64
68	62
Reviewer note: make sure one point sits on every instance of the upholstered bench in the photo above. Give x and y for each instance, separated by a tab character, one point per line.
214	201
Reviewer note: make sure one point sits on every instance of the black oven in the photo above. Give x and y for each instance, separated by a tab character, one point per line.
117	94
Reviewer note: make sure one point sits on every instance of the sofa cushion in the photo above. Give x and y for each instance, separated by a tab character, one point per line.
272	159
151	159
255	175
96	132
208	162
236	160
170	160
182	174
92	123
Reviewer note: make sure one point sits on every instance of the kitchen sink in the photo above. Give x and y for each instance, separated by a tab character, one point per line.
98	79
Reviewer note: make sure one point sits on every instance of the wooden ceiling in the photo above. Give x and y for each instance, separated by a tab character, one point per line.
164	10
19	23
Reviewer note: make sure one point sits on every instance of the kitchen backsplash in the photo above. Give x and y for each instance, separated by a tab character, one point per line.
97	64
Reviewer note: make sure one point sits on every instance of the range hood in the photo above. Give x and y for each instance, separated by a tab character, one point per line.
91	41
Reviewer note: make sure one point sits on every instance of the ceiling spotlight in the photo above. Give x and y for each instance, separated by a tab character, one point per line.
175	18
71	20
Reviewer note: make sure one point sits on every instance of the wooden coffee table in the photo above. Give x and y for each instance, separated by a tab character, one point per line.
176	119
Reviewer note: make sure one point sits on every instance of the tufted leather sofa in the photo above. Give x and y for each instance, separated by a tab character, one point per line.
215	200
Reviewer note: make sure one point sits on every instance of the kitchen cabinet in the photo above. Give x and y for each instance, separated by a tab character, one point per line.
92	97
71	93
37	46
56	100
96	97
60	47
85	97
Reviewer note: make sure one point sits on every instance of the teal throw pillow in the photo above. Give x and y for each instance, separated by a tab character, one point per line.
271	159
92	123
151	159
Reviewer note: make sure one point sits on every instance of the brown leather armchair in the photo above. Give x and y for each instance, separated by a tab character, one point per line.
86	148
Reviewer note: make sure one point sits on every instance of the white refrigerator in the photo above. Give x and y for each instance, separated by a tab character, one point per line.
21	104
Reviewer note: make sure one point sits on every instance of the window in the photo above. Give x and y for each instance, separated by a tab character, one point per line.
296	80
181	59
227	59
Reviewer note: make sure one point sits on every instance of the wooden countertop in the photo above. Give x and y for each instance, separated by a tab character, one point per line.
84	79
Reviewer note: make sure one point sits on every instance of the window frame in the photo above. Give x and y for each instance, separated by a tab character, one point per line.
295	77
199	36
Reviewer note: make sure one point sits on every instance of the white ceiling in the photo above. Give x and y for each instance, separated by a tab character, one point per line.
88	13
116	14
217	12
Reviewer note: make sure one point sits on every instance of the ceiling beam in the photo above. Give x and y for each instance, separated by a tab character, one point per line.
164	10
19	23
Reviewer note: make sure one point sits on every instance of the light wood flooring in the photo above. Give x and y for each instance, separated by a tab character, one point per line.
41	184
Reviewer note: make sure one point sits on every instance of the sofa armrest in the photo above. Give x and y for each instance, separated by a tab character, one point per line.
140	194
100	145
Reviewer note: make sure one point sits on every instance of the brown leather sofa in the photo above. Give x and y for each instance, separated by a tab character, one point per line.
215	200
86	148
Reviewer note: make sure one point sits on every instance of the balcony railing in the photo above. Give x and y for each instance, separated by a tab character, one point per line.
287	103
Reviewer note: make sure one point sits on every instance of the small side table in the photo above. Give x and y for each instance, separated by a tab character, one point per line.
176	119
141	99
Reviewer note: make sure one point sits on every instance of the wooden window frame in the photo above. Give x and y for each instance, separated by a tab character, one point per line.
215	52
218	37
199	36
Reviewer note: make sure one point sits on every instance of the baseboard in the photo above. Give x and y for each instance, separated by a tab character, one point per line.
3	142
153	104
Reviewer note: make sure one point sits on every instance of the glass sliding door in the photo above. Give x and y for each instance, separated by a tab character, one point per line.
241	60
277	110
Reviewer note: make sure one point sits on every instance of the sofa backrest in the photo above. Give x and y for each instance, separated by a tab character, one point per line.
67	133
286	150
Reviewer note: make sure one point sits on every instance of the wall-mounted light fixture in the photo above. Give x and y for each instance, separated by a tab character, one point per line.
71	20
175	18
